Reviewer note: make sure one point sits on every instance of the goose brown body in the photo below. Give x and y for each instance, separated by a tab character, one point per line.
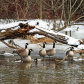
22	52
28	57
70	52
52	51
82	54
42	52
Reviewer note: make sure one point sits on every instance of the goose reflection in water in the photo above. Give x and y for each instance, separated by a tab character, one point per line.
25	65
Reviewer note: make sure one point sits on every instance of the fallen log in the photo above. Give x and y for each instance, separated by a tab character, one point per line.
11	34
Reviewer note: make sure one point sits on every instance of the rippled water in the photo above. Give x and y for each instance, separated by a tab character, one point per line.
42	72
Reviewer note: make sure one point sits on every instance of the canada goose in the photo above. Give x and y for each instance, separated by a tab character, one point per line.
82	54
22	52
70	52
42	52
28	57
52	51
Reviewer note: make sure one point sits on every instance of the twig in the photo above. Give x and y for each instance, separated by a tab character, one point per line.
8	45
62	60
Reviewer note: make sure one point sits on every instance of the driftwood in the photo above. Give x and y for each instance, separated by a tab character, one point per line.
11	34
9	45
60	61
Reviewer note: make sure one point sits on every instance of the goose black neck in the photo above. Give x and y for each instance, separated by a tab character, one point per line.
25	46
29	52
43	45
53	44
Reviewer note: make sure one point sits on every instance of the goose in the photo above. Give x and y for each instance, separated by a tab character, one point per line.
42	52
28	57
52	51
22	52
82	54
70	52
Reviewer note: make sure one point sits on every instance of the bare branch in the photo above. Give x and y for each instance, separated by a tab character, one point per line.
69	24
8	45
76	8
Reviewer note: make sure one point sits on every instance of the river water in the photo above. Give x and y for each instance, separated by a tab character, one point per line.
42	72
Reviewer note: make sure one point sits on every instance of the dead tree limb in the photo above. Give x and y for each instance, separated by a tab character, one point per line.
11	34
8	45
47	35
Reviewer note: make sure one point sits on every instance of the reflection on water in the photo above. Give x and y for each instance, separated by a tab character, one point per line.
42	72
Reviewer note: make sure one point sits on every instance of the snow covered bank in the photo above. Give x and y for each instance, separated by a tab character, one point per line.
46	27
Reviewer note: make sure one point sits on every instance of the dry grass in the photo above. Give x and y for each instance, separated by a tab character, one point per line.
42	40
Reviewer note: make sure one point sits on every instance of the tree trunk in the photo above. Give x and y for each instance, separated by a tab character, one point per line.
40	9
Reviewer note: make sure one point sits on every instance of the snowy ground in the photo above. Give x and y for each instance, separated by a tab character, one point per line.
46	26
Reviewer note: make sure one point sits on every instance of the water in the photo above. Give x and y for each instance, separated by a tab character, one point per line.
42	72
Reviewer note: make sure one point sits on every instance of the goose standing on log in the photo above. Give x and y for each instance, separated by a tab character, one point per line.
42	52
70	52
52	51
28	57
22	52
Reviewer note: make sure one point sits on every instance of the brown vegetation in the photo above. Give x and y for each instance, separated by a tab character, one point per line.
42	40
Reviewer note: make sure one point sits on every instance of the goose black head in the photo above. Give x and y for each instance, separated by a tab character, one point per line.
71	48
27	44
44	44
30	49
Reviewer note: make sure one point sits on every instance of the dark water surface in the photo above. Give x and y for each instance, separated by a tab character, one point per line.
42	72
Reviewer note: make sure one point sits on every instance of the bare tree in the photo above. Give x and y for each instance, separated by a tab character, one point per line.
40	9
66	13
56	9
